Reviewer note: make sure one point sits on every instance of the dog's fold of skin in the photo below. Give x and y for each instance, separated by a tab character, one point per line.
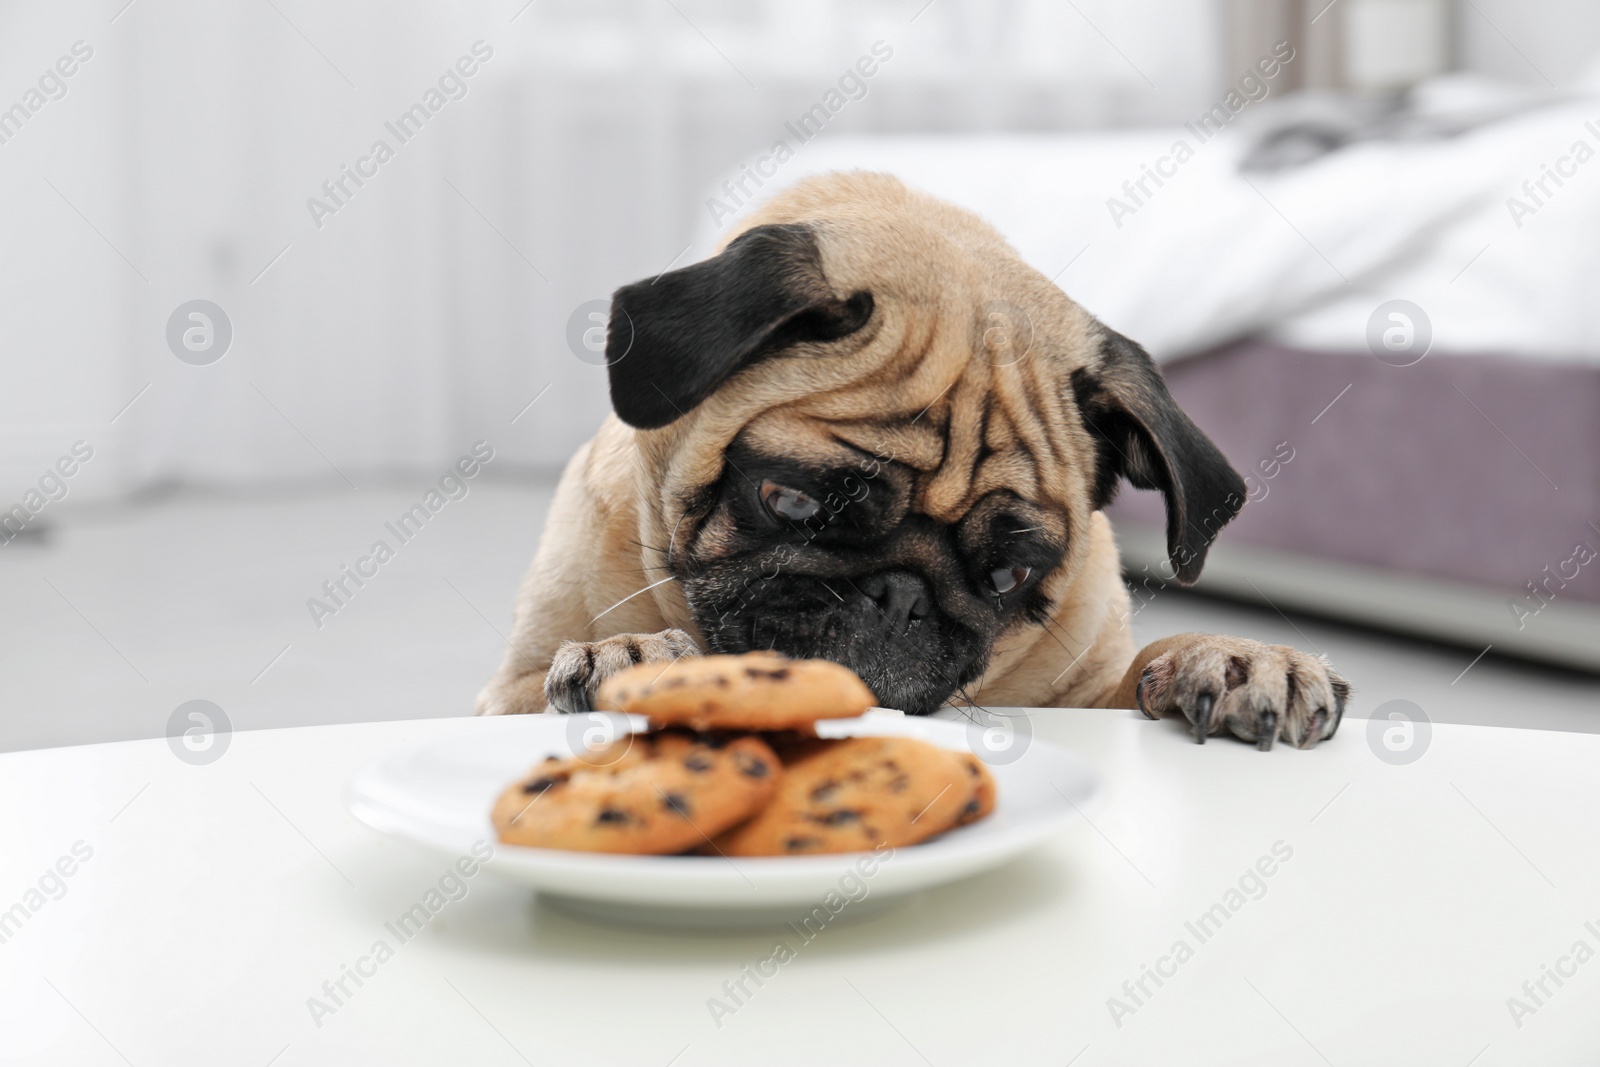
866	431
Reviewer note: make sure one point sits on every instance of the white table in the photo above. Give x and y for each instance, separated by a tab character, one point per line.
1417	900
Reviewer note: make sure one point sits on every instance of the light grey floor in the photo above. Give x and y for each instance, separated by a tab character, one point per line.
128	611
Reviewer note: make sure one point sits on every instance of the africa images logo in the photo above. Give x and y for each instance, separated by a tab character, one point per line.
198	732
199	332
1399	732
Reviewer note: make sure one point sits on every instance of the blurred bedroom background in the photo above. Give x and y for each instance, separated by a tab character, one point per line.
239	337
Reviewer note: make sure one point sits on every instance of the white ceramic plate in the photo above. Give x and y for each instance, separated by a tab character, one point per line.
439	795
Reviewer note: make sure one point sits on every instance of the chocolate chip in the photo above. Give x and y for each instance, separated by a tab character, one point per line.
751	767
972	768
611	815
970	809
825	790
697	763
795	844
539	785
836	818
899	782
777	674
676	802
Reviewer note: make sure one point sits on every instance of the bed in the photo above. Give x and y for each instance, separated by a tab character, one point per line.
1403	503
1451	494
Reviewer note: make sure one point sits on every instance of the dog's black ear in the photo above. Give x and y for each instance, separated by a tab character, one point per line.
672	341
1143	436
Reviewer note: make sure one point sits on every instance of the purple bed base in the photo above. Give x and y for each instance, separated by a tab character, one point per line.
1474	469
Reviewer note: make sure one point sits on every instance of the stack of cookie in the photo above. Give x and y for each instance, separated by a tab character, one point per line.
732	766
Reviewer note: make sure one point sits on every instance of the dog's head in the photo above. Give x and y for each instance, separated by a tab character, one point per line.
868	432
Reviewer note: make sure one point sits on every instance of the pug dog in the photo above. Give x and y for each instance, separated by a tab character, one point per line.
866	431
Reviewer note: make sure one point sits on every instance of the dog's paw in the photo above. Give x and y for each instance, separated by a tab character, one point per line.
1254	691
580	666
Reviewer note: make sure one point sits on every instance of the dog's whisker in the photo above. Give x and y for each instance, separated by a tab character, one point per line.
630	596
1045	626
650	548
673	539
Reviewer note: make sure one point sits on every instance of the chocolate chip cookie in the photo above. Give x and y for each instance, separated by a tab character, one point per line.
755	691
646	793
856	794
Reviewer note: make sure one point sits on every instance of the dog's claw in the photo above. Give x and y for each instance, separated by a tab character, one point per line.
1202	716
1138	695
1319	720
1266	730
1341	693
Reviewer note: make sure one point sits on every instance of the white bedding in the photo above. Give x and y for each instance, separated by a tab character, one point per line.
1303	255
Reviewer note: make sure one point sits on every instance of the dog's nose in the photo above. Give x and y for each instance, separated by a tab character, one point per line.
900	596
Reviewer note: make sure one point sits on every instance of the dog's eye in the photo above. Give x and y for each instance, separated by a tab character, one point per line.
786	503
1004	579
